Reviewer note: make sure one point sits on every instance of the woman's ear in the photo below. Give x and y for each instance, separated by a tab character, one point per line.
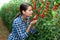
23	12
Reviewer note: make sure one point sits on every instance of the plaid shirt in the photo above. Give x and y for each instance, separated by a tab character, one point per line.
19	28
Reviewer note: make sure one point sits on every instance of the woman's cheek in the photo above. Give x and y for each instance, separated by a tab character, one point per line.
30	14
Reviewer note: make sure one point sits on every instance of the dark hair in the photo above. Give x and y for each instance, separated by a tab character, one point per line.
23	7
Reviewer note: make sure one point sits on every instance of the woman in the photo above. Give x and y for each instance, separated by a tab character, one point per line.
21	24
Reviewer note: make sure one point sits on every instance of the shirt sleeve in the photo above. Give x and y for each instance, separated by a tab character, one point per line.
22	35
32	30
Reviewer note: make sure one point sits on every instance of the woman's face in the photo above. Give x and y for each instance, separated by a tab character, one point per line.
29	11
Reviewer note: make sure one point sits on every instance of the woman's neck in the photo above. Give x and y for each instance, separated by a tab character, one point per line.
24	17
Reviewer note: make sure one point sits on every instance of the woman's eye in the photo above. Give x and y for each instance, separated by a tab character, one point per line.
30	10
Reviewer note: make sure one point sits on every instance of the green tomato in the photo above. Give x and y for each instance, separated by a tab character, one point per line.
54	13
55	2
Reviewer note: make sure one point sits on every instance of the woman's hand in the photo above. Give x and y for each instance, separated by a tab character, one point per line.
33	22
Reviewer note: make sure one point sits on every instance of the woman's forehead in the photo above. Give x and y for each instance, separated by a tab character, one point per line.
30	7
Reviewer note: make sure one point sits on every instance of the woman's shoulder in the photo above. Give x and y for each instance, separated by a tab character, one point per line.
16	20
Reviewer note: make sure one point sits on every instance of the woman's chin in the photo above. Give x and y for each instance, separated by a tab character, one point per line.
30	15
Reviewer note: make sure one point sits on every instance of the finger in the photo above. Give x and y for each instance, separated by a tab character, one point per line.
34	16
35	21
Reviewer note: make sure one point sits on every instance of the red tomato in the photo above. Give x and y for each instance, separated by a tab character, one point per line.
42	15
47	7
55	8
35	17
34	6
